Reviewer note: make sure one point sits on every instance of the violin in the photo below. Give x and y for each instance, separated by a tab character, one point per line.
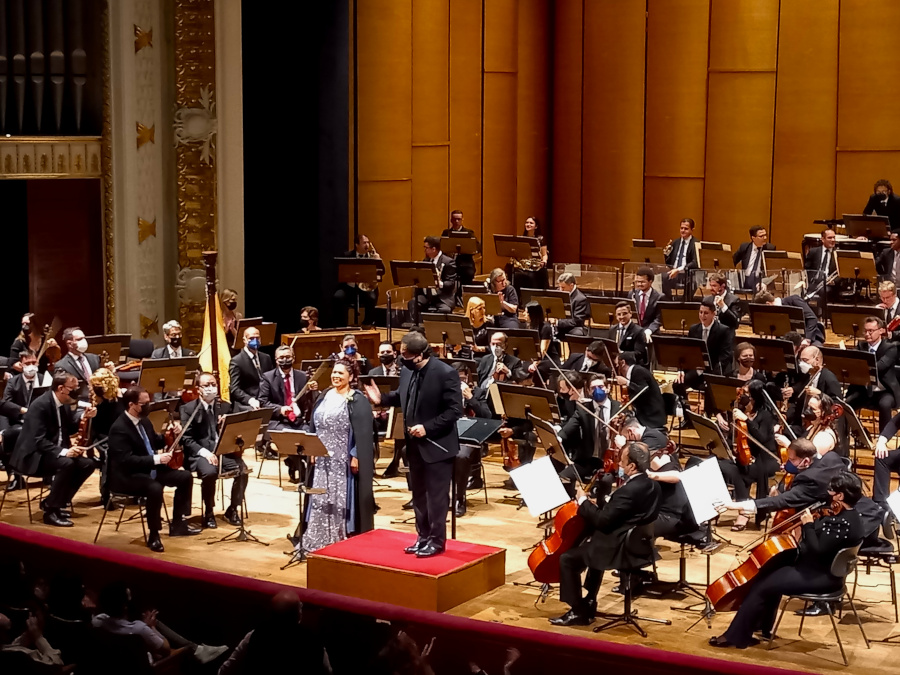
510	454
173	438
741	443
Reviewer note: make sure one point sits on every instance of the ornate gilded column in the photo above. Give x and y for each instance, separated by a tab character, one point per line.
195	154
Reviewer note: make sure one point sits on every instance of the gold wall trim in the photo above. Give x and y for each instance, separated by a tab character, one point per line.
50	157
109	249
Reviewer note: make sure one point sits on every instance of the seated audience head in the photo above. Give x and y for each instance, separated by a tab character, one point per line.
114	600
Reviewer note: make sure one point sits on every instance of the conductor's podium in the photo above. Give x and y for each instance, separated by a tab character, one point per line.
373	566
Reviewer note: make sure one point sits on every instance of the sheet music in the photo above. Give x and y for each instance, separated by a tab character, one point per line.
705	487
540	486
894	502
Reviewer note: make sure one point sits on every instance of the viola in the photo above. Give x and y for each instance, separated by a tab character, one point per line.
510	454
741	444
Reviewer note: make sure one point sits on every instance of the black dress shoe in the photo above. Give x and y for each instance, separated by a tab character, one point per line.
572	618
591	609
816	609
232	516
65	513
429	550
56	519
460	509
154	543
15	483
183	529
391	472
407	506
420	543
474	483
209	522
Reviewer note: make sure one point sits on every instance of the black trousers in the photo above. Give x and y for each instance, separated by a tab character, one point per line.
430	484
209	474
882	401
425	303
571	564
469	456
527	279
69	474
883	469
346	297
144	485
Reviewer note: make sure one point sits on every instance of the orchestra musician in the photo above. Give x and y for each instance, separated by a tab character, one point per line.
441	298
637	502
531	272
28	338
588	361
200	440
77	361
887	264
886	462
475	311
246	369
498	366
387	357
649	408
580	308
884	203
628	335
675	519
719	340
570	388
350	350
820	263
135	468
464	262
550	354
645	300
632	430
890	303
17	397
509	300
749	255
815	331
745	356
814	379
682	257
173	349
727	304
44	446
348	294
879	397
309	320
106	395
820	542
230	316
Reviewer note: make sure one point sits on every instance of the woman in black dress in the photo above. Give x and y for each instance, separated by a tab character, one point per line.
820	542
549	343
509	300
532	272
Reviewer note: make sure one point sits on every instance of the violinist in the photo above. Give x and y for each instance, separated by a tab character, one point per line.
819	420
173	349
633	431
19	391
590	361
570	388
480	322
509	300
77	361
745	355
675	519
648	406
820	541
498	366
637	502
550	349
814	379
28	338
136	469
200	440
880	397
629	337
815	331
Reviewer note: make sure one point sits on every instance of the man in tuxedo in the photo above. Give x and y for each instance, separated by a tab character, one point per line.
173	349
387	357
683	255
588	361
814	331
633	430
498	366
607	524
890	303
200	439
882	396
628	335
821	263
649	408
17	397
246	369
727	304
719	340
814	379
887	264
77	361
579	308
44	447
429	395
442	297
465	262
136	469
347	294
884	203
750	256
645	300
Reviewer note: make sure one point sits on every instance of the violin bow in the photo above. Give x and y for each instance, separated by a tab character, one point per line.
784	425
786	521
756	443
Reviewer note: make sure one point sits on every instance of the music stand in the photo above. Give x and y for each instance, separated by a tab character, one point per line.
861	263
782	260
649	255
444	333
160	412
548	440
603	310
776	320
554	303
851	366
513	246
166	375
773	355
578	343
237	432
678	316
460	242
715	255
491	302
471	364
848	320
681	353
711	438
517	401
420	274
113	345
722	390
471	431
870	227
267	330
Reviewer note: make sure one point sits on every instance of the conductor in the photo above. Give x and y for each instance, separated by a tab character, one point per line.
429	397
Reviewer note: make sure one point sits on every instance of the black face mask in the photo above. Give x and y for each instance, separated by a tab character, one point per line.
144	412
231	305
175	342
809	414
98	391
386	359
285	364
304	323
408	363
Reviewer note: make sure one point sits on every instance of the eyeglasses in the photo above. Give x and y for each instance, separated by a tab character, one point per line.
870	330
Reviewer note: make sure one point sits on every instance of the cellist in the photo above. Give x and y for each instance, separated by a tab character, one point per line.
820	542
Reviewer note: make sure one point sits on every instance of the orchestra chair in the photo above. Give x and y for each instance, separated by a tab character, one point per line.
127	500
844	563
45	482
638	544
226	475
138	348
685	541
881	557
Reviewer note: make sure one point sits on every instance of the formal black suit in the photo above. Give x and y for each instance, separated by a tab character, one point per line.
632	340
580	311
730	314
827	383
719	343
689	256
813	262
637	502
882	401
134	471
576	362
45	433
585	444
651	318
73	366
812	328
649	409
202	435
272	395
163	353
742	255
891	209
432	299
809	486
465	262
430	396
884	265
487	364
245	375
17	395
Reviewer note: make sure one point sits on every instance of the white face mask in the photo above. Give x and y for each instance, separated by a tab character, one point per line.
804	367
498	350
81	345
209	393
620	441
30	371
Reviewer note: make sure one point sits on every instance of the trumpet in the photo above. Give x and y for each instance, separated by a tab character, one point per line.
667	249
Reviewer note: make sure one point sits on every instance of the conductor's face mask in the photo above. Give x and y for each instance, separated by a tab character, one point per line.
409	363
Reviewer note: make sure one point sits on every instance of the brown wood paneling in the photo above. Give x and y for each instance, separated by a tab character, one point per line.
738	154
430	190
856	176
613	127
430	72
499	168
500	36
533	111
677	55
65	252
805	119
385	215
743	35
566	151
465	111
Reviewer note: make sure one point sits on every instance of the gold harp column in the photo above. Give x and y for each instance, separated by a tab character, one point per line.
195	157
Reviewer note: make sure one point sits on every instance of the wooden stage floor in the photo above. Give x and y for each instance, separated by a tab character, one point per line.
498	523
